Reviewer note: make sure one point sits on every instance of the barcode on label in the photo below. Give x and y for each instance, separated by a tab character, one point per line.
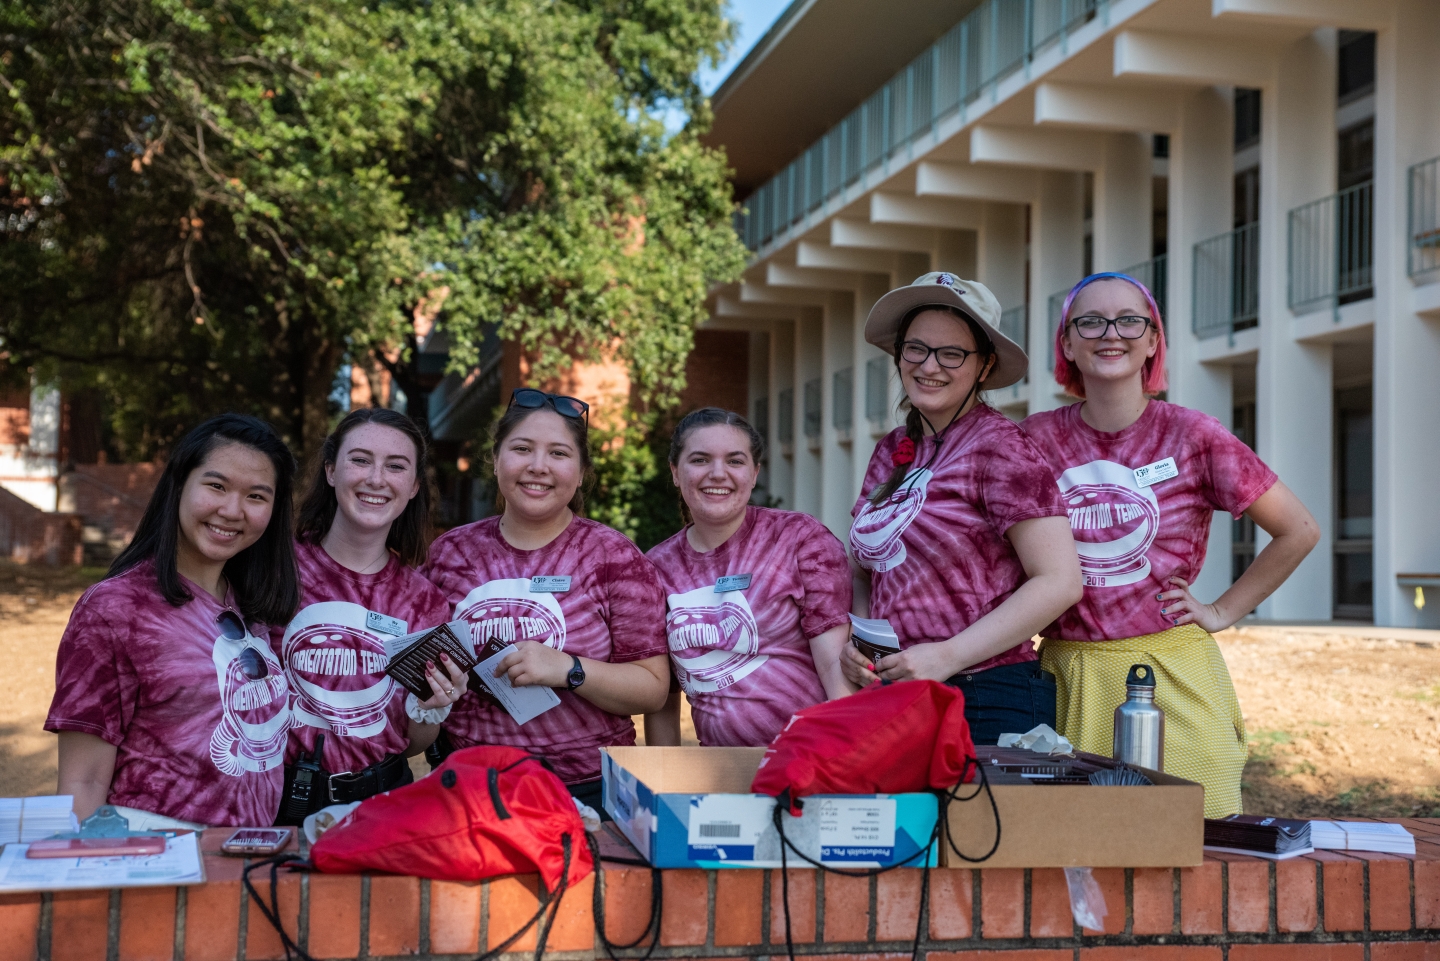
716	830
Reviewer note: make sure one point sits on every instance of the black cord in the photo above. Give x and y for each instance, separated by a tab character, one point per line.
546	902
953	794
657	903
272	912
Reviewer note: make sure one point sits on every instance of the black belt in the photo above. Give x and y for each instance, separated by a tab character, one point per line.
318	788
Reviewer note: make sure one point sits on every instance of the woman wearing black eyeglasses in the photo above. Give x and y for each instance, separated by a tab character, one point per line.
581	605
168	700
960	539
1141	480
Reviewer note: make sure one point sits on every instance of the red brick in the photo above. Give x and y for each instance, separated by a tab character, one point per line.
1248	901
454	917
897	904
627	904
1295	896
1002	903
1405	951
147	924
951	903
739	907
687	895
212	920
1034	954
79	925
1297	952
262	943
1201	901
802	906
1427	894
1154	901
1165	952
334	916
847	908
1050	915
1112	887
513	902
1344	892
394	915
874	956
19	926
1389	893
574	926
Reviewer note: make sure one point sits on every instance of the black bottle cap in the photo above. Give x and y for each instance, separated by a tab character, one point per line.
1141	675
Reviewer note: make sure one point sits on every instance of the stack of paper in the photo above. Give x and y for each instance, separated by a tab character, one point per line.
35	818
1361	836
1264	837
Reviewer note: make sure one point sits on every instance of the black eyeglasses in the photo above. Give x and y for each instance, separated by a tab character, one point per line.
528	398
252	663
914	352
1093	326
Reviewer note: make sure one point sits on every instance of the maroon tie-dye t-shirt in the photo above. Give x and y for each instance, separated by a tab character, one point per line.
743	656
1136	528
198	720
334	657
936	548
614	611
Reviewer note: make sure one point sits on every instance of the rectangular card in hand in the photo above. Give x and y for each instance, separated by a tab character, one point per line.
522	703
409	653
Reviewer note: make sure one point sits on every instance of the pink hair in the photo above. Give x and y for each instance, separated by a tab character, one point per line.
1067	375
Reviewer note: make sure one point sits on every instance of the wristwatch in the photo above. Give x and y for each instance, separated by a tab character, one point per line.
576	677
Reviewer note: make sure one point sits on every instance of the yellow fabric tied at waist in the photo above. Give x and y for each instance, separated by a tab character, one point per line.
1204	729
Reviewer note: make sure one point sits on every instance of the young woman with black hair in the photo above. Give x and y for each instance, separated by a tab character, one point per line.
759	599
960	537
362	529
168	701
581	604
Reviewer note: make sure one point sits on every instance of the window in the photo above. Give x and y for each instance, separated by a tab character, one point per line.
1247	117
1356	160
1354	504
1247	197
1356	67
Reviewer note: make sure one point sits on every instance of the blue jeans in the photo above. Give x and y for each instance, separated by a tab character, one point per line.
1010	699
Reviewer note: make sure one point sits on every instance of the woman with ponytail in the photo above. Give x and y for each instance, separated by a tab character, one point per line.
1142	480
960	538
757	599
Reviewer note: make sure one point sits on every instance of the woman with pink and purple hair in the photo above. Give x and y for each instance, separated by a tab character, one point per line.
1141	479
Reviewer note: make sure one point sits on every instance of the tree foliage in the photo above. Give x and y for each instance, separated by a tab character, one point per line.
208	204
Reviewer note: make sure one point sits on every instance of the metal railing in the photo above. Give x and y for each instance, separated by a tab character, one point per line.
1332	249
785	417
1226	297
877	393
1425	217
1155	274
813	414
1015	324
998	38
842	399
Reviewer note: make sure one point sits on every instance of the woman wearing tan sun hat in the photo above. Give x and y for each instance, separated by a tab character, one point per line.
960	537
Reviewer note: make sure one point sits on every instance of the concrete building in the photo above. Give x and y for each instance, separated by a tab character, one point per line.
1272	167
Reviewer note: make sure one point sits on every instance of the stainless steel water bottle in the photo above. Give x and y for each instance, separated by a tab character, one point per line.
1139	724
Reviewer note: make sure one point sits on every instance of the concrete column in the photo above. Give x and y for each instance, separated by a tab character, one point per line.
1000	265
808	365
1407	342
1294	394
955	251
836	461
1201	174
1123	202
782	378
1057	255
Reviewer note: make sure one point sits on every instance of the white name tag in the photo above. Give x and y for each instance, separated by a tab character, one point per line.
384	623
1161	470
732	582
549	583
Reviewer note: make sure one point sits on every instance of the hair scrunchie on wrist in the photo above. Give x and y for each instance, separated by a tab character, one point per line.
424	715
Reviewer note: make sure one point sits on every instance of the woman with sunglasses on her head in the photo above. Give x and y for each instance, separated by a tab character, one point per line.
168	700
959	536
578	600
1142	479
363	526
758	598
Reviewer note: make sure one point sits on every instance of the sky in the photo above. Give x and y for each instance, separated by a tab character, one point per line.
753	18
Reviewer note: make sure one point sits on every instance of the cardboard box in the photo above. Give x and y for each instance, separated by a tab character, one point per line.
1160	825
691	807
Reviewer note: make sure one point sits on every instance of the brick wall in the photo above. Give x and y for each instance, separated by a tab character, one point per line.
29	535
1329	907
717	372
111	499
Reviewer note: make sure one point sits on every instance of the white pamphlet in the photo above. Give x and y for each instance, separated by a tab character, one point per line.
179	864
524	704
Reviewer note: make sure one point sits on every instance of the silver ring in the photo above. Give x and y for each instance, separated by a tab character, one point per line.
450	693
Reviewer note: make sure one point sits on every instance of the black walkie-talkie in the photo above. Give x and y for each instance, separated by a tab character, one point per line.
308	777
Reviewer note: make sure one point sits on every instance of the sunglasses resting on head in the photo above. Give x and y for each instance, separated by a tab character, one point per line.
528	398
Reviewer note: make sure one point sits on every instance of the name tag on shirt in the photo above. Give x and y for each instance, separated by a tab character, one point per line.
1161	470
732	582
549	583
385	624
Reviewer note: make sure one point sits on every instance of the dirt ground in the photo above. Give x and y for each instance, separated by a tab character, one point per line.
1338	725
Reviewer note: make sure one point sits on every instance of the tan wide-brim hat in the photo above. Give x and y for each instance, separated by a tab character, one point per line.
970	297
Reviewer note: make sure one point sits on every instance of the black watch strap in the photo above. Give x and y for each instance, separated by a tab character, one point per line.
576	677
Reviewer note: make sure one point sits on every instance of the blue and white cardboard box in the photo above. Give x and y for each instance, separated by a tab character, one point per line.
691	807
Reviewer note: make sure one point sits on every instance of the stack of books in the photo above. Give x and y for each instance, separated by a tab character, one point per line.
1274	838
26	819
1361	836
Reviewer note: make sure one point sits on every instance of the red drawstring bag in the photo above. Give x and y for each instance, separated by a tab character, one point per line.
487	811
894	738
